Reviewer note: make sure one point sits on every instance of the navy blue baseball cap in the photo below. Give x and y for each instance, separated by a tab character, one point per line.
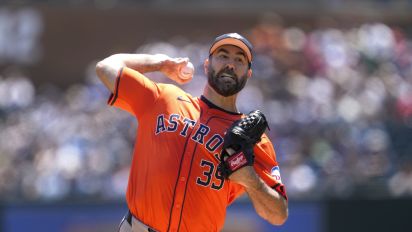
233	39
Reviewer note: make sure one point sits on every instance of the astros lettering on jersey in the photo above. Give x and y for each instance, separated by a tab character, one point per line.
174	184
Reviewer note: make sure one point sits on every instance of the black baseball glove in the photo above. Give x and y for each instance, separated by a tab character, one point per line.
241	138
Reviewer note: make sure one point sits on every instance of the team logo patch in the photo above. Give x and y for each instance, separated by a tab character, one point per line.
275	173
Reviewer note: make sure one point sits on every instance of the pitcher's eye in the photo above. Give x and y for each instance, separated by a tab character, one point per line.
240	60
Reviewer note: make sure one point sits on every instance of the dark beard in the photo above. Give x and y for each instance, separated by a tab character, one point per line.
225	88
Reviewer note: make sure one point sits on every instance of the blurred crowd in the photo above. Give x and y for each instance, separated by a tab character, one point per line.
338	99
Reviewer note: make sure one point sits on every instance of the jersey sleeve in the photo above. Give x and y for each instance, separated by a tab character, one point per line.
235	191
267	167
134	92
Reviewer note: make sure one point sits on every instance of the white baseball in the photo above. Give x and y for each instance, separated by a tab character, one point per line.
187	71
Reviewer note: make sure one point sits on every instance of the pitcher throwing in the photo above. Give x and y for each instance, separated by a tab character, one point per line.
193	156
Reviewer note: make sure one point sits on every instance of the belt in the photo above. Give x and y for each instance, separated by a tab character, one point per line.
129	218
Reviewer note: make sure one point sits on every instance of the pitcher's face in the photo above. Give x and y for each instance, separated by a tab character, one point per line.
228	70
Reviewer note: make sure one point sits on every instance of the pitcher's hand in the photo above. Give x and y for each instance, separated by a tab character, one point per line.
171	68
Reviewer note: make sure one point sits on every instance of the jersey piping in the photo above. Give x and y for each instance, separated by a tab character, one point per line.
191	165
114	96
213	106
178	176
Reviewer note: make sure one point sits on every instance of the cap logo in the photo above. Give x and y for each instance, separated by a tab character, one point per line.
235	35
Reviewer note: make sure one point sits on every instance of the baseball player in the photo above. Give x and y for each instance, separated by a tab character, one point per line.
193	156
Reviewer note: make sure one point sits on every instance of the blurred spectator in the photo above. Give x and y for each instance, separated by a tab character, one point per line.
20	31
400	184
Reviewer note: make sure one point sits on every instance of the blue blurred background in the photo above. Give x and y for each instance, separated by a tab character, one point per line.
334	78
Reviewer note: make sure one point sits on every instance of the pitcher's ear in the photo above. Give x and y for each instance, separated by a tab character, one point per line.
249	73
206	66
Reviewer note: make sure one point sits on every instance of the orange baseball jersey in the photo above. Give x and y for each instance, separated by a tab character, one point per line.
174	184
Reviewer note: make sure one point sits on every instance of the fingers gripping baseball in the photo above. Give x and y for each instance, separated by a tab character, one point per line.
179	70
239	141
